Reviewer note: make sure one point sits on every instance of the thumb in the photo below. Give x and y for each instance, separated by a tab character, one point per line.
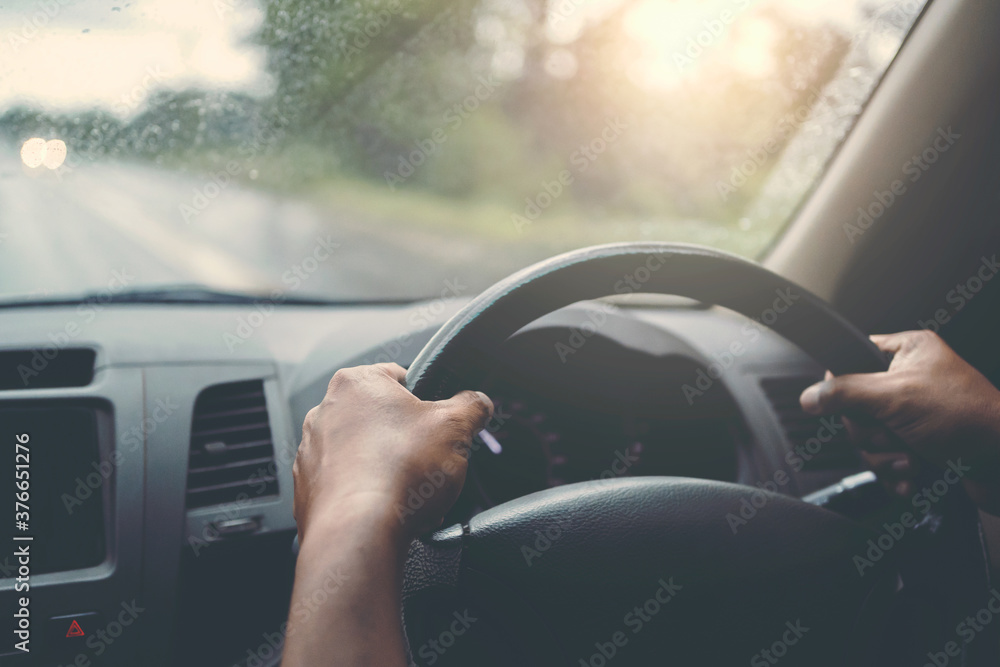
468	411
863	393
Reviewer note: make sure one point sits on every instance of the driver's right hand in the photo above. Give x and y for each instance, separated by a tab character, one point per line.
930	404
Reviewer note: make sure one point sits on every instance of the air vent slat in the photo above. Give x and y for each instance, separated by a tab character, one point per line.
234	412
232	450
228	485
196	454
818	446
247	394
229	430
263	460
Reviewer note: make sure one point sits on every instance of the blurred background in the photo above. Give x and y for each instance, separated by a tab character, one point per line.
220	143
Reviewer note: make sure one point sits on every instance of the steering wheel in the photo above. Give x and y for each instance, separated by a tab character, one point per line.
643	571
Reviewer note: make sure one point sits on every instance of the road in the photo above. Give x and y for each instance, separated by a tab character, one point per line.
70	231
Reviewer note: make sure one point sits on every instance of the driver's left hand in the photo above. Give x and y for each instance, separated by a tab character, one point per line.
370	442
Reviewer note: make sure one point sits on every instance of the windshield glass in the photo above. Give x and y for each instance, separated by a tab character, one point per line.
396	149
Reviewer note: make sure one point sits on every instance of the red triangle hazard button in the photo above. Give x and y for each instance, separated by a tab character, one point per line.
74	629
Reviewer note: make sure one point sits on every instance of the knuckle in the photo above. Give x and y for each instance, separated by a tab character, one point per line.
458	463
389	367
310	420
456	426
479	410
452	421
342	377
927	336
915	340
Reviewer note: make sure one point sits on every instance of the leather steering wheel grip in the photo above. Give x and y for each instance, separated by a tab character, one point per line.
457	357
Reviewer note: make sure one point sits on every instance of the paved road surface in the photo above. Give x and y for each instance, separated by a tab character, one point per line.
68	233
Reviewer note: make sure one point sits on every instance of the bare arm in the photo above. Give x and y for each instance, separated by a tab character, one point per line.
362	450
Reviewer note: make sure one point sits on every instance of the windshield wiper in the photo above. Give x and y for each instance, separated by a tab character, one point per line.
187	294
191	294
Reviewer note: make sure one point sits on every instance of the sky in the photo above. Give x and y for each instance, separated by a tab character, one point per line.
75	54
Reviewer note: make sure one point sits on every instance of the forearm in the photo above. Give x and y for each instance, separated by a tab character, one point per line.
345	608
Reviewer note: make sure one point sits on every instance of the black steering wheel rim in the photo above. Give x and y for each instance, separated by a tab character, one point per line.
454	357
671	526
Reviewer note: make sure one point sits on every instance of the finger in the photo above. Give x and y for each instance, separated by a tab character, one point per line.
392	378
893	465
892	343
903	341
468	410
872	436
896	471
395	371
863	393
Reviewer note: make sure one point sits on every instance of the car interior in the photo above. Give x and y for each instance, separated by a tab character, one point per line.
647	429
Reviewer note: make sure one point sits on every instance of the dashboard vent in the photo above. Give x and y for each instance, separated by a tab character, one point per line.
232	454
838	452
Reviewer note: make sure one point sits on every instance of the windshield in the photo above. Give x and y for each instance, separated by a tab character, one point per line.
398	149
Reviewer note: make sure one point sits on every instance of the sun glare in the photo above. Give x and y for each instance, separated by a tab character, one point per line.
753	48
676	39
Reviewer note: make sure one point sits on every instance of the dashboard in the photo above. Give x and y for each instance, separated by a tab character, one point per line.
606	410
181	424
